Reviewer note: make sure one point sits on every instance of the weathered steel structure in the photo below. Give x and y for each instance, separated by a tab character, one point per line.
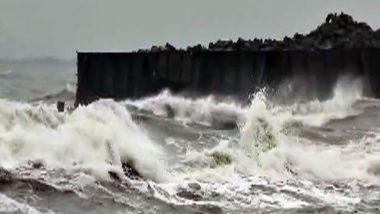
133	75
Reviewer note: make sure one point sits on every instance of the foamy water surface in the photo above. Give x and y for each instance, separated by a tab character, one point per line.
171	154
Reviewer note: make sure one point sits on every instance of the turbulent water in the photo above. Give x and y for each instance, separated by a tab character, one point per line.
170	154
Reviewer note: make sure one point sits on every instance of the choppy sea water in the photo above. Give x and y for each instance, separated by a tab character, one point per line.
170	154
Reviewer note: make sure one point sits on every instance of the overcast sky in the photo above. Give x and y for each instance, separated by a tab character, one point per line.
33	28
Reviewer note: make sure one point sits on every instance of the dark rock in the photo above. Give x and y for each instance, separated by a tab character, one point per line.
377	34
38	186
130	171
37	165
155	49
114	175
195	186
197	48
187	194
170	47
5	176
60	106
169	111
338	31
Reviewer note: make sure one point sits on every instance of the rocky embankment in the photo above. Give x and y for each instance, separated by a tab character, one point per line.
338	31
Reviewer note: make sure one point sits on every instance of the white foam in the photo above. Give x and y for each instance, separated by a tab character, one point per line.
79	140
205	111
308	159
98	137
265	150
260	132
346	92
71	87
8	205
208	111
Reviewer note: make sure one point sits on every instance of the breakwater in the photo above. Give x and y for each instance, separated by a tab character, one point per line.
337	47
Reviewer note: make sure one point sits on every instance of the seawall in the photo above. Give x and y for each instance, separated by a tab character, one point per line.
239	73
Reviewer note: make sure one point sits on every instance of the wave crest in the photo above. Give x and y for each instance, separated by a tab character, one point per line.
96	138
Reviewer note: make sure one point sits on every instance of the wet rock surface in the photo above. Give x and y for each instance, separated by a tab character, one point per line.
131	172
5	176
189	194
128	170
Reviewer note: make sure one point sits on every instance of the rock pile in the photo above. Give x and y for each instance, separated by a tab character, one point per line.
338	31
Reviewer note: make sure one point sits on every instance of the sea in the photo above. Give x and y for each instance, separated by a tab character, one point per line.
166	153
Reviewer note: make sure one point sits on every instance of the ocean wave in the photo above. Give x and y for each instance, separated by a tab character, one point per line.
316	113
266	147
97	138
9	205
203	111
67	94
218	113
263	164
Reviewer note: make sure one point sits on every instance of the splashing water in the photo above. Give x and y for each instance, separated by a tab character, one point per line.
262	166
316	113
80	140
260	133
203	111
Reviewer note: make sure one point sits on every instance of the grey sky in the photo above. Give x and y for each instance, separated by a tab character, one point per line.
32	28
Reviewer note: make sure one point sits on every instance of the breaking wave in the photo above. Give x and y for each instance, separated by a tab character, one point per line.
262	163
316	113
97	138
213	112
267	148
203	111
